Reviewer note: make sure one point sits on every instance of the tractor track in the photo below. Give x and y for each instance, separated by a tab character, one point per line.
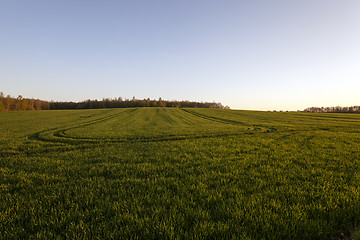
70	143
229	121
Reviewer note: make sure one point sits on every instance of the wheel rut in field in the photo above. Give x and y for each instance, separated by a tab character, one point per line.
229	121
58	134
67	142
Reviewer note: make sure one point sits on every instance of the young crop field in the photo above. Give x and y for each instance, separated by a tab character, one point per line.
171	173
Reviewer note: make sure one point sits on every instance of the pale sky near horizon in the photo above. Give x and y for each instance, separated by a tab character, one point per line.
261	55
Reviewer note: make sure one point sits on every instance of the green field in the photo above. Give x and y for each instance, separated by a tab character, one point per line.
170	173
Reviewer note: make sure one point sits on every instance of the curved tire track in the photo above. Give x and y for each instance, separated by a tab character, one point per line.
229	121
58	135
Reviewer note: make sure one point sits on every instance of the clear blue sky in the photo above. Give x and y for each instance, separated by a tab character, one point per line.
250	54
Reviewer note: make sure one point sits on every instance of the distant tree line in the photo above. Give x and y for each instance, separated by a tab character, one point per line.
353	109
129	103
8	103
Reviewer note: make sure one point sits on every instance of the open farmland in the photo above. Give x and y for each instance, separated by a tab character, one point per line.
171	173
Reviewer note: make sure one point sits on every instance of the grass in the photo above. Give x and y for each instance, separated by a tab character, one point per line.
168	173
